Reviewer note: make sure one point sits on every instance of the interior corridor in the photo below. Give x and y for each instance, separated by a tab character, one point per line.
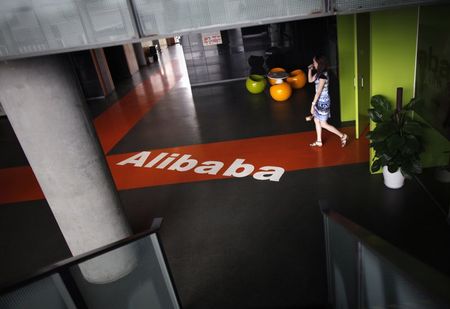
231	241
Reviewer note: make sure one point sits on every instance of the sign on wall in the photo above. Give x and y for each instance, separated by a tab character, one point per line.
433	68
211	38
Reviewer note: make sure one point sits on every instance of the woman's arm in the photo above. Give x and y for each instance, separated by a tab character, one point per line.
311	77
318	92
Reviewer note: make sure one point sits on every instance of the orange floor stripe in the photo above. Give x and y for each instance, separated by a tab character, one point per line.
290	151
18	184
114	123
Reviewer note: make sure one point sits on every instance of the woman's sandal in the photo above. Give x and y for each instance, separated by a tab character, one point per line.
344	140
316	144
309	118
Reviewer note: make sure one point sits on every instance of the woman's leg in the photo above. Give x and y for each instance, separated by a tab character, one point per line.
317	122
332	129
329	127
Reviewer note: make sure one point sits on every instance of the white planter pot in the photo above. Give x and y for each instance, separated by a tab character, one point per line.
393	180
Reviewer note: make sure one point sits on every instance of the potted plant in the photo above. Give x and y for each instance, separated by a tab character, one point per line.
396	140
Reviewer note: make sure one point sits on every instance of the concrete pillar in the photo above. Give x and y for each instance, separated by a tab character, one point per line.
131	58
289	34
236	41
102	68
140	56
44	105
275	35
2	112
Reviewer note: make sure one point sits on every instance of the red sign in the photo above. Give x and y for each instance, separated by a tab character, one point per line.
211	38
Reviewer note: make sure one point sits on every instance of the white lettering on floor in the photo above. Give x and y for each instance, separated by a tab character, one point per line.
185	163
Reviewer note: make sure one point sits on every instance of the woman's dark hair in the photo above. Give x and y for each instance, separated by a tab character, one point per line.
322	64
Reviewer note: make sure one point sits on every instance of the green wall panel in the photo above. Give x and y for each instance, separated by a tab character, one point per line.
393	50
346	52
393	53
395	46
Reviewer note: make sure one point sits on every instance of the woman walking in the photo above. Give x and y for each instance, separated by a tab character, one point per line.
320	107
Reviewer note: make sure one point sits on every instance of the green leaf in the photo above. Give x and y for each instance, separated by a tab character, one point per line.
412	127
395	142
382	107
383	161
407	168
379	146
376	165
383	130
392	167
387	157
377	137
380	103
411	146
375	116
414	104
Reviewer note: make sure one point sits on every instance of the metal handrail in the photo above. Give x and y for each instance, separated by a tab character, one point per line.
415	270
66	263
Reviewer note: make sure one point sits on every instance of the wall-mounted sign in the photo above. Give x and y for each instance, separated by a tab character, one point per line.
211	38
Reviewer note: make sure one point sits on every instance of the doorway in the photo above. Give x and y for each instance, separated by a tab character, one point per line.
362	94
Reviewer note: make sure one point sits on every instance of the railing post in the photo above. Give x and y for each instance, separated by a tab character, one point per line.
324	208
359	280
72	288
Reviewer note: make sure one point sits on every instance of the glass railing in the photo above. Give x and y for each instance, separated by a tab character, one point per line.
63	285
40	27
345	6
364	271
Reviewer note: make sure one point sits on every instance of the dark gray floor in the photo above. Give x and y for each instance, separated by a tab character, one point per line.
29	239
241	243
437	188
11	153
217	113
97	106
